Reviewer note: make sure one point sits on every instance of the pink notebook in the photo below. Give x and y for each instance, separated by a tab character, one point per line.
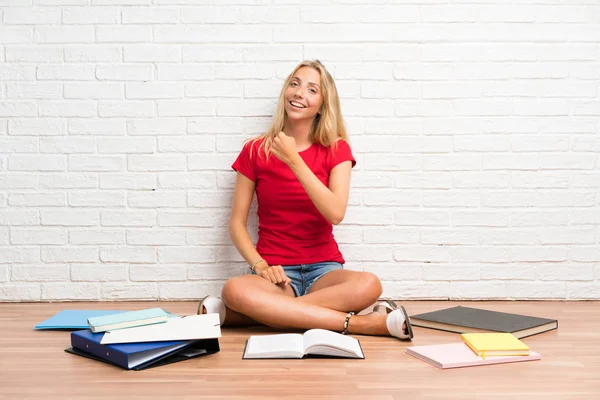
456	355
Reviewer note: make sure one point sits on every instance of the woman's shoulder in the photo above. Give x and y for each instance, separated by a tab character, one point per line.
339	145
339	151
340	142
253	144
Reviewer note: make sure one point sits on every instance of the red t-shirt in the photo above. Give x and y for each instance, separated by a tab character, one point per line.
291	230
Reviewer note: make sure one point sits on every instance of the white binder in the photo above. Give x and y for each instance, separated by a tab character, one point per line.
191	327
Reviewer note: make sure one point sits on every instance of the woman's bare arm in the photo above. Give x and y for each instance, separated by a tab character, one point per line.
238	231
331	201
242	199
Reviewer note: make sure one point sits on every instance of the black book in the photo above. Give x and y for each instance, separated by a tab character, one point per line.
466	320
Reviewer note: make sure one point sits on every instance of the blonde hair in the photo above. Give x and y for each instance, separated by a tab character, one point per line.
328	125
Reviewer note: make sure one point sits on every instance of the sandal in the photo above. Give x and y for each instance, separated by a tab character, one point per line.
394	323
397	316
212	305
380	306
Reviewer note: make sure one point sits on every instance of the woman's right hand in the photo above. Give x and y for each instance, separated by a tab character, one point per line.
273	273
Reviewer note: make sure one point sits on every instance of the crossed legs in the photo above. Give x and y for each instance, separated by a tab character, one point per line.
250	299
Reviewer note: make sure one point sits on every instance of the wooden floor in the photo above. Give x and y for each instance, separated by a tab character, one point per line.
34	365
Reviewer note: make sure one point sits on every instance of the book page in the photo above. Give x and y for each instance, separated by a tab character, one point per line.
316	341
288	345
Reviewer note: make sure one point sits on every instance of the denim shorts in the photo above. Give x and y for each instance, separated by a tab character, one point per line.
303	276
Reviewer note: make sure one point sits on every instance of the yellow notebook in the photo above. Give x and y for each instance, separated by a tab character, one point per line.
495	344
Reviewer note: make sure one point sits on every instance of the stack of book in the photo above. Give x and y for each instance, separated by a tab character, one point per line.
488	337
148	338
476	349
461	319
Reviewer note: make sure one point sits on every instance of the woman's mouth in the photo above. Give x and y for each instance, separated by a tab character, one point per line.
296	104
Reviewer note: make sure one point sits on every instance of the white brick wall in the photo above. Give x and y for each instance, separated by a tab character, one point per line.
476	125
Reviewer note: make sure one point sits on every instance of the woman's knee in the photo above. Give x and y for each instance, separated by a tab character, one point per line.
370	287
234	292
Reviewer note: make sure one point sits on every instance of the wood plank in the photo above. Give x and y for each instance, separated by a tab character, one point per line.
33	364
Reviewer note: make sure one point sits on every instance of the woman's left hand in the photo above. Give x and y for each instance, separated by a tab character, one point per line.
284	148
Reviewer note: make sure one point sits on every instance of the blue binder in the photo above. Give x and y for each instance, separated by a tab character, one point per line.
138	356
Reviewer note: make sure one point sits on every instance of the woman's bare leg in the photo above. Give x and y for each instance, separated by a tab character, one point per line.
266	303
234	318
344	290
340	290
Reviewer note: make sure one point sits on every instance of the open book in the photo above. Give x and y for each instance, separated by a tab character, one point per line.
314	342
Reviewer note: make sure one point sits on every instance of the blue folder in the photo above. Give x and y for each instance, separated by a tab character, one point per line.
138	356
73	319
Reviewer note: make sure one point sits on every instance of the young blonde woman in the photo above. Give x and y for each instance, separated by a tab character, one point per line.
300	172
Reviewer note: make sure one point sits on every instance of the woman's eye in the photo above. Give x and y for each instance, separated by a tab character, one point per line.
293	84
313	91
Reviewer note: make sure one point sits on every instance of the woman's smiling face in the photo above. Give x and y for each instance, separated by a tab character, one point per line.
303	96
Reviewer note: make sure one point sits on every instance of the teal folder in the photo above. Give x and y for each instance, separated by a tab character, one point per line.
130	318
